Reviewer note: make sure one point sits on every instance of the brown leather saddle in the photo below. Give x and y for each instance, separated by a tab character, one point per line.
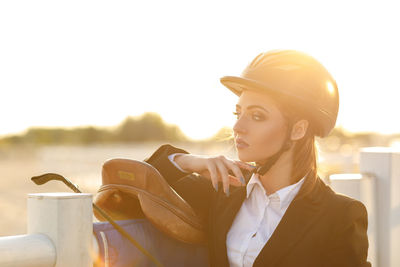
135	189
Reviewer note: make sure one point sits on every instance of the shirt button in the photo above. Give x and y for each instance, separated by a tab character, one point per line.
254	235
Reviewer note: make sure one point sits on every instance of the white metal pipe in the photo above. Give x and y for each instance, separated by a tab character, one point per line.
67	219
27	251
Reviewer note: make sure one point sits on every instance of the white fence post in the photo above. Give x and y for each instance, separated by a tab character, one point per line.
66	218
384	164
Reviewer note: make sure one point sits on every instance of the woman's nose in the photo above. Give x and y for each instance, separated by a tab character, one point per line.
239	126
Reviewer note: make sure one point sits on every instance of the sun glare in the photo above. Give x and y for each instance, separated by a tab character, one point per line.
331	88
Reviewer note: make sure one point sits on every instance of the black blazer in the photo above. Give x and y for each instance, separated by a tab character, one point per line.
319	228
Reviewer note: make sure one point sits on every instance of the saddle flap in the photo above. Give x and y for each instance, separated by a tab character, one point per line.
133	189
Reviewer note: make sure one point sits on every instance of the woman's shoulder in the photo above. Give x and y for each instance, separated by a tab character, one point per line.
341	203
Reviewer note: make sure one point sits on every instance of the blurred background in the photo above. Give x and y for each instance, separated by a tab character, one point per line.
85	81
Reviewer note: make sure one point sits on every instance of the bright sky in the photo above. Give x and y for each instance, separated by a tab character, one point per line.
71	63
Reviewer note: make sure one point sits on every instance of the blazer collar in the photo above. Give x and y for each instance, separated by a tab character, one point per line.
231	205
224	213
300	216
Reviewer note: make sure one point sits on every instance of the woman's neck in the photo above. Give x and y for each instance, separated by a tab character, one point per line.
279	176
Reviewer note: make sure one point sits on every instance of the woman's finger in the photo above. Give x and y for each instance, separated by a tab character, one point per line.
235	171
234	181
213	175
223	174
245	165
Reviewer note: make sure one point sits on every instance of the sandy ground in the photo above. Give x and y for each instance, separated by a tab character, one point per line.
82	165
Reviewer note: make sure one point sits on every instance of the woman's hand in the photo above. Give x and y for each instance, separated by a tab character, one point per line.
215	168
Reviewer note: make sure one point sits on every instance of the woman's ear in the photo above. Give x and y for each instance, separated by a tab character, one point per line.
299	130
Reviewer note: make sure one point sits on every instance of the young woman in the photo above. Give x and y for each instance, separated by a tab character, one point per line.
282	214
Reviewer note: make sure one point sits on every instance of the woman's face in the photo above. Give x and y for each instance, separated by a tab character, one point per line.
260	129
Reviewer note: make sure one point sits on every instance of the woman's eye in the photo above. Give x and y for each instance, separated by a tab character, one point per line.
257	117
237	114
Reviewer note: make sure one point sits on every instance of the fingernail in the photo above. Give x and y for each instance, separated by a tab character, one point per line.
216	187
227	192
242	180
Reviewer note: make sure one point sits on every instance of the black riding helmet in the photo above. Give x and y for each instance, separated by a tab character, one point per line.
295	79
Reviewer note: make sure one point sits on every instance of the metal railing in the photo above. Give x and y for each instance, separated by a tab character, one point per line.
60	231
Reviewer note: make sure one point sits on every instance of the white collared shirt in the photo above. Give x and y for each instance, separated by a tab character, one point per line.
256	220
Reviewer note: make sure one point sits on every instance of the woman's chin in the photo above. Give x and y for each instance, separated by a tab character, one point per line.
245	157
249	157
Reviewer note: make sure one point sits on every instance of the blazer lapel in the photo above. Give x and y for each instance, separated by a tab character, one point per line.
224	213
301	214
230	207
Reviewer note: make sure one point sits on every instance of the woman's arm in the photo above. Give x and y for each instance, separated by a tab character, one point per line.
159	160
195	190
194	185
215	168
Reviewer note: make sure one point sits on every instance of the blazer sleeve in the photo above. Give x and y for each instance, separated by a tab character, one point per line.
193	188
159	160
349	246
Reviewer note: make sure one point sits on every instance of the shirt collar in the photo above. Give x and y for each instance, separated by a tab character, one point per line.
254	180
285	194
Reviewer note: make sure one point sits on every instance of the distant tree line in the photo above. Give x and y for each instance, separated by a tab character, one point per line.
147	127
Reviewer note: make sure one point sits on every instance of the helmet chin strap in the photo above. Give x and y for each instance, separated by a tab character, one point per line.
264	168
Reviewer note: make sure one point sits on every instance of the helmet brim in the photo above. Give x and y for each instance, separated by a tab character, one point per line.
238	84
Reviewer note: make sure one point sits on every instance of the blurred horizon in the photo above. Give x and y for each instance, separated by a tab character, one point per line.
151	127
191	138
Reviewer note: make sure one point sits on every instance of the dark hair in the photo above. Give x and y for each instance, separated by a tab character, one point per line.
304	151
304	157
